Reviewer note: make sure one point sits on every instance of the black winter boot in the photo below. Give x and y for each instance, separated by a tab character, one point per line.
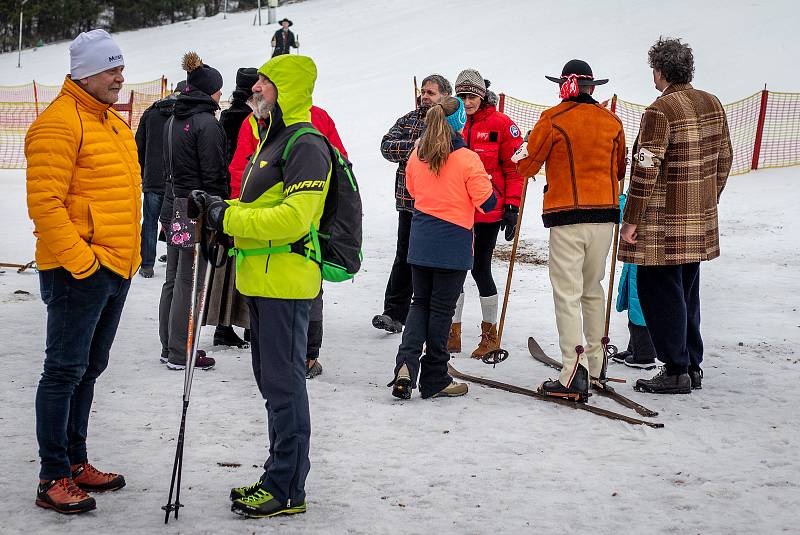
577	390
696	376
663	383
225	336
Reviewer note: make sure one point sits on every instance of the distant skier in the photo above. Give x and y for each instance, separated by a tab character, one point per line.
582	145
495	137
448	184
84	197
681	162
396	146
284	39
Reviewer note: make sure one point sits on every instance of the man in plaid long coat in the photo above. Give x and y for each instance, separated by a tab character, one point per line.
681	162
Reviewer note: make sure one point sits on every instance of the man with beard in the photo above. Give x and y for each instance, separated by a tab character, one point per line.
396	147
276	207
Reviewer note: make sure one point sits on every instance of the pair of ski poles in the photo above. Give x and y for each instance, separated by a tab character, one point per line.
197	307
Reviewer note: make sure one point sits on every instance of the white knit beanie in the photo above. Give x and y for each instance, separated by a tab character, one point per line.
93	52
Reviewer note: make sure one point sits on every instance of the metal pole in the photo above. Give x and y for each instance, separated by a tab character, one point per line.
19	50
225	11
259	12
272	15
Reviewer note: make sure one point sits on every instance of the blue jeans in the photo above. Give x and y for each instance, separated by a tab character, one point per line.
278	339
82	319
151	208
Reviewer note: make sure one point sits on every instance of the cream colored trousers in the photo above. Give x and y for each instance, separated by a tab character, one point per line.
578	256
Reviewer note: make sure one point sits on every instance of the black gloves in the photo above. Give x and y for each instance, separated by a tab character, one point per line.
509	221
212	206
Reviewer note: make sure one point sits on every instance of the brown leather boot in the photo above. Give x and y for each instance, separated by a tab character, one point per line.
488	340
454	341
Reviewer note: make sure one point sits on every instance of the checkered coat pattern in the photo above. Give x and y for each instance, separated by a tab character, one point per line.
679	167
396	146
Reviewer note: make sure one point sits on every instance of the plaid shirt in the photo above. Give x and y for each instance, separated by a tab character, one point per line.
680	164
396	146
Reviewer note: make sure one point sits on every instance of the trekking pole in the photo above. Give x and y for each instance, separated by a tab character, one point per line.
197	307
610	350
499	355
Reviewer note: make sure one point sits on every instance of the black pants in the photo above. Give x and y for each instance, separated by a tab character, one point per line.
485	240
670	299
315	328
398	289
435	294
279	329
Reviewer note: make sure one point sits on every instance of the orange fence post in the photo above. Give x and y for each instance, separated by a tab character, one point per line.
502	104
130	110
36	98
762	114
614	104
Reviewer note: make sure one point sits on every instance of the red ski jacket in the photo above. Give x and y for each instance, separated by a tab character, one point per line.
495	137
247	144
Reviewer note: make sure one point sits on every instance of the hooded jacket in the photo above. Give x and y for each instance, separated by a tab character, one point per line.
495	137
248	138
84	186
150	143
280	201
231	120
197	159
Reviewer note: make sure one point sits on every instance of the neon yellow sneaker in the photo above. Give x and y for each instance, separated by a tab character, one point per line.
243	492
261	504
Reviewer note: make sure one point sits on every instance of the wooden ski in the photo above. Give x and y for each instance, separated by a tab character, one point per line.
604	390
566	403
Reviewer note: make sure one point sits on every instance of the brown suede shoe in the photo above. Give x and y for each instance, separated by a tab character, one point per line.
454	341
489	340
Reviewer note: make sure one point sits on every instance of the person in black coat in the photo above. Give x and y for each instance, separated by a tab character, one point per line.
150	144
284	39
194	158
232	118
225	306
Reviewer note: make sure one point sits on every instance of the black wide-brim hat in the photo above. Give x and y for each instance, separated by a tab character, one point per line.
581	68
285	20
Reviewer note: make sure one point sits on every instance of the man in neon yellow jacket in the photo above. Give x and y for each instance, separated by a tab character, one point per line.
279	203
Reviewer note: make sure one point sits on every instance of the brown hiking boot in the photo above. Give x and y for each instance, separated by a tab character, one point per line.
90	478
489	340
454	341
64	496
452	390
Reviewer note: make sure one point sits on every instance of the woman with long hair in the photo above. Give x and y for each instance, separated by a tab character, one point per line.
448	183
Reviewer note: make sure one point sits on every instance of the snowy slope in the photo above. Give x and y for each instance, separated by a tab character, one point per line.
726	462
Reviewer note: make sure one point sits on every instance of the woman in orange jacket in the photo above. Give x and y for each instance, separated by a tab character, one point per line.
448	183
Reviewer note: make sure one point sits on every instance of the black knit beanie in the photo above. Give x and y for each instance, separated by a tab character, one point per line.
201	76
246	78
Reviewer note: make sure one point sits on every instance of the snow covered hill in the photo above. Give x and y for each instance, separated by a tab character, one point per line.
491	462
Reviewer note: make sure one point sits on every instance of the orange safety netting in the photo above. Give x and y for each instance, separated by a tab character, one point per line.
20	105
775	133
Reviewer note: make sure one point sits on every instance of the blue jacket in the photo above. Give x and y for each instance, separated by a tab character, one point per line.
627	295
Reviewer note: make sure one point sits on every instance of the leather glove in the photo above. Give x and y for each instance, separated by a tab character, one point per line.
212	206
509	221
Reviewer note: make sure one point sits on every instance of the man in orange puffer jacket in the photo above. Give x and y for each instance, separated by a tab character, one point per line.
84	197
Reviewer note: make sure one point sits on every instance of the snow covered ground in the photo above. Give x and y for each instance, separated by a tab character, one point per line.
726	461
